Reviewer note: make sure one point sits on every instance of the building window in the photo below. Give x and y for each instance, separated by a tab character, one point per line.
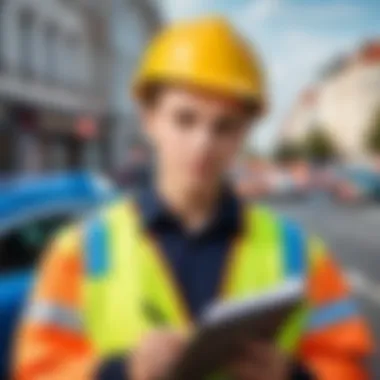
1	35
51	52
26	42
72	50
6	148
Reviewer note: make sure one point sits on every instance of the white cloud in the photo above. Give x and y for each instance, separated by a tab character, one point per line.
177	9
257	12
328	10
305	53
261	10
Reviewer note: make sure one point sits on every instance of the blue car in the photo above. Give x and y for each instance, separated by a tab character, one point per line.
31	210
358	185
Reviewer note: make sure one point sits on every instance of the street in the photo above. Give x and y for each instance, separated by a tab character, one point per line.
353	234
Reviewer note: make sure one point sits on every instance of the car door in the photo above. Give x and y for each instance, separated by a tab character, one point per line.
20	251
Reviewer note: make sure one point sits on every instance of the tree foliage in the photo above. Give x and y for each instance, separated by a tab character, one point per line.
288	152
319	147
373	137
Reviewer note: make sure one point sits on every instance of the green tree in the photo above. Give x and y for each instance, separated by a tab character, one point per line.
288	152
373	137
318	147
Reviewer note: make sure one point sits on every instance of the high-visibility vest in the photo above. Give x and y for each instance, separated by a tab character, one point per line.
129	288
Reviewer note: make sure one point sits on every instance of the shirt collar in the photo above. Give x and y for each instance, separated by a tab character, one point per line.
227	217
152	208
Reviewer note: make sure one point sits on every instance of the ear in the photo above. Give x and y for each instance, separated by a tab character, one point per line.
145	115
147	120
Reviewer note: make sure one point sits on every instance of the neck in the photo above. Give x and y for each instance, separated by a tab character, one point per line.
194	207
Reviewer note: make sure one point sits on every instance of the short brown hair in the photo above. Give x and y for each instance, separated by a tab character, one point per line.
149	94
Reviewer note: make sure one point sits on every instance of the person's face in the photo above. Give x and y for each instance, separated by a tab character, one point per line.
196	135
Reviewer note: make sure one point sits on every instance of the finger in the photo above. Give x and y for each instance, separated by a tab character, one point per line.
169	338
160	358
158	355
247	370
159	351
267	358
262	352
160	340
260	346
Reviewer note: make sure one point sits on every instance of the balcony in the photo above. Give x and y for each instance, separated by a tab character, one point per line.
25	87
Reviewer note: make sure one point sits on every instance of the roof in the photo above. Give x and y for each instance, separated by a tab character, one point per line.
309	97
22	198
370	52
335	66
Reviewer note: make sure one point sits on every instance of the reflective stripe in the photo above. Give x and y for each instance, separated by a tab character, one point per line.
333	313
55	315
96	247
294	250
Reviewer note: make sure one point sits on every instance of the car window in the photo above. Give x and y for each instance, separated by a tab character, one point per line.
21	248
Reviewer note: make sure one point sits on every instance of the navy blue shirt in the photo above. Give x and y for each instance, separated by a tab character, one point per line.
197	260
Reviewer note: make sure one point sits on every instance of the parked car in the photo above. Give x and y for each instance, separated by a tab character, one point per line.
285	186
31	210
357	185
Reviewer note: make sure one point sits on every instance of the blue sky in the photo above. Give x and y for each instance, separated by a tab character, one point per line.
296	39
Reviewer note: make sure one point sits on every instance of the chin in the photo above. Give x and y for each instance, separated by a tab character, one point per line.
199	182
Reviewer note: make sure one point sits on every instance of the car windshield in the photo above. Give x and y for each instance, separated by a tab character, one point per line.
21	247
362	177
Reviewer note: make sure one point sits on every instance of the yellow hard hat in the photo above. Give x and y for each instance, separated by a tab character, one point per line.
206	53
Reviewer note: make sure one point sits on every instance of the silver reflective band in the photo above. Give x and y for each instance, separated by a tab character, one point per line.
333	313
55	315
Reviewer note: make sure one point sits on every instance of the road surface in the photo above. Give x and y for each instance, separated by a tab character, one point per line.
353	233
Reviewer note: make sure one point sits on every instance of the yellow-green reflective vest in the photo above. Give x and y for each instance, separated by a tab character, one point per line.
129	288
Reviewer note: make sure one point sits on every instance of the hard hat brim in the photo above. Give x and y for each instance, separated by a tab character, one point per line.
254	105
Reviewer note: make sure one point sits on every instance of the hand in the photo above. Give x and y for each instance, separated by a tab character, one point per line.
156	354
260	361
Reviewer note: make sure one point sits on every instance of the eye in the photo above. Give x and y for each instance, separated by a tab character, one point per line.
185	118
226	125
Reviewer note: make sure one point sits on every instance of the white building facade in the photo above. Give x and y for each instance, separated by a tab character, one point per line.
47	74
345	104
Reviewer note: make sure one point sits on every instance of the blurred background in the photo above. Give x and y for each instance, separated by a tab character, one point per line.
70	138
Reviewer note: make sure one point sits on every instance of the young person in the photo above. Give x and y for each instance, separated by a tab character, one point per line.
116	295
